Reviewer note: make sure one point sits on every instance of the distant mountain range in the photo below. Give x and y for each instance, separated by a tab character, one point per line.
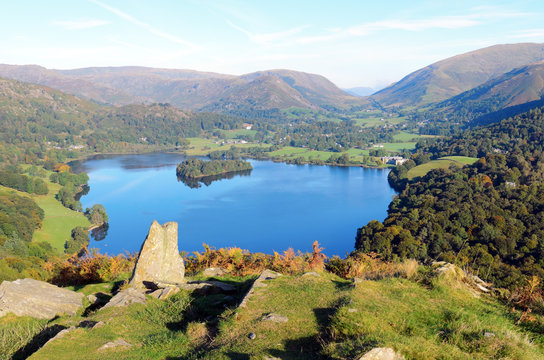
188	89
453	76
468	86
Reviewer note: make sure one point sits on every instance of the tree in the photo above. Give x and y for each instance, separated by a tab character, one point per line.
97	214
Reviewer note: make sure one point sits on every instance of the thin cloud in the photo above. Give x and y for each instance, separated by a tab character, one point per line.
265	38
80	24
441	22
528	34
144	25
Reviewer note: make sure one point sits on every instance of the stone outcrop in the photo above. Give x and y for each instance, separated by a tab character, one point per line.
277	318
259	282
214	272
29	297
382	354
115	344
126	297
159	260
457	277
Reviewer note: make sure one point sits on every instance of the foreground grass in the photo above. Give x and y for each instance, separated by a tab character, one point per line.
328	318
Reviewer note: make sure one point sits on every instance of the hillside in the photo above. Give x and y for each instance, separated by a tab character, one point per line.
452	76
511	90
188	89
40	118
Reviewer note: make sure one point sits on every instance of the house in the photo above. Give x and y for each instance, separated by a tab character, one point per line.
247	126
393	160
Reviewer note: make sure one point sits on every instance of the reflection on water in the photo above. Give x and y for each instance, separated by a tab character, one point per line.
207	180
99	233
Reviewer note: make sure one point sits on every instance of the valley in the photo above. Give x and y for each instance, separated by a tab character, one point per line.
314	222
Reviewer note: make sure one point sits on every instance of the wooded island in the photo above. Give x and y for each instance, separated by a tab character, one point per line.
196	168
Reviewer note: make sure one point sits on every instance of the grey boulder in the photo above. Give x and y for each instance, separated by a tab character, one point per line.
29	297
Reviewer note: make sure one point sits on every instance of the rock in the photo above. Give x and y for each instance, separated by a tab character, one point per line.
59	335
259	282
114	344
90	324
207	287
270	358
352	310
456	277
311	273
126	297
489	334
251	336
382	354
29	297
275	318
214	271
159	260
165	293
92	298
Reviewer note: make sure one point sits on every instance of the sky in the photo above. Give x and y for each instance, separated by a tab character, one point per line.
352	43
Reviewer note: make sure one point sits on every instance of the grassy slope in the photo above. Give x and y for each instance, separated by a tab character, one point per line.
58	221
442	163
328	318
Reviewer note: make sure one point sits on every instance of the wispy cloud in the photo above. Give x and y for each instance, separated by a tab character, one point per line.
266	38
441	22
529	34
79	24
146	26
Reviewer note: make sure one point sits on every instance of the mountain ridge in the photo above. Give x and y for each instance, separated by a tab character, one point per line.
452	76
187	89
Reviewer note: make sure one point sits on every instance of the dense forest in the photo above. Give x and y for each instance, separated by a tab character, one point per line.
488	216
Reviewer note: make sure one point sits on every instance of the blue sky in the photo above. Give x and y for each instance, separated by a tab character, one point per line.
353	43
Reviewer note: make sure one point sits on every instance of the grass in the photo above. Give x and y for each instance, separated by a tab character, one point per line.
423	323
328	317
442	163
234	134
202	147
58	221
396	147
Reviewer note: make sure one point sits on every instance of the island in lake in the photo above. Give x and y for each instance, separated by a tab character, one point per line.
197	169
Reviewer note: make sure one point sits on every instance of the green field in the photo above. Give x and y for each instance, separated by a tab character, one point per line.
58	221
400	146
442	163
202	147
234	134
290	152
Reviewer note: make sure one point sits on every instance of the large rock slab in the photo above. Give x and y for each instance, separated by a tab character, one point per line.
382	354
29	297
126	297
159	260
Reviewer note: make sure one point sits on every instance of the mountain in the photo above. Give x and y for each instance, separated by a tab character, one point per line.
360	91
507	95
35	114
452	76
188	89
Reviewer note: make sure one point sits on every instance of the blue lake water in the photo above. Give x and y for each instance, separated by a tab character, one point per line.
276	207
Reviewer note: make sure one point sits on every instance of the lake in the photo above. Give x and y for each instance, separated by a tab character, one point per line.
275	207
